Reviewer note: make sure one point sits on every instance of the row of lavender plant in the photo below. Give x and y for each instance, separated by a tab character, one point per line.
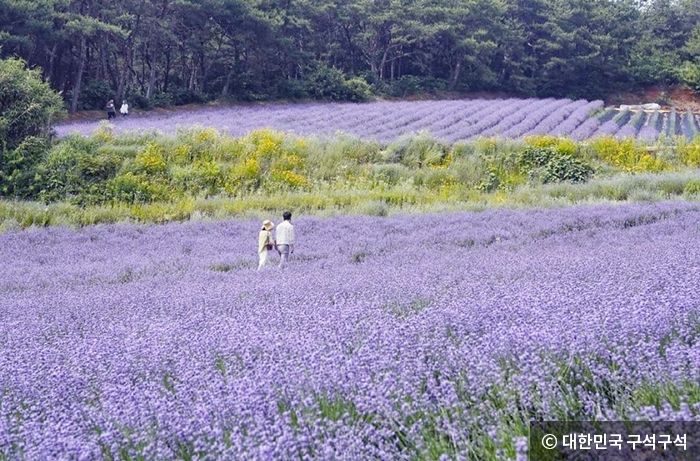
510	120
404	337
631	128
385	121
534	119
648	127
477	120
650	131
556	118
493	117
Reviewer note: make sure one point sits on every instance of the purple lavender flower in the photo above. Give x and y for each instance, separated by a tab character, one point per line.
176	345
387	121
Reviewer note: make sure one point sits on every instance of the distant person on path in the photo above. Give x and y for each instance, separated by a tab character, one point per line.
284	240
124	110
265	242
111	111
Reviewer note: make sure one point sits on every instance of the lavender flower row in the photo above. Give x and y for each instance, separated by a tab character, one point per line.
632	127
577	117
510	120
650	132
549	123
534	118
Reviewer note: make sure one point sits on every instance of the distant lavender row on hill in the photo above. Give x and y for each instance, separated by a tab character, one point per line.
448	121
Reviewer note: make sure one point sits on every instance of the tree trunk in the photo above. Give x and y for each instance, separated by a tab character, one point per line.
152	77
79	76
455	74
193	74
103	61
225	90
166	72
385	58
49	71
123	75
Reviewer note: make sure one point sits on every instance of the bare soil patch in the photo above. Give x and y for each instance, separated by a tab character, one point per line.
679	97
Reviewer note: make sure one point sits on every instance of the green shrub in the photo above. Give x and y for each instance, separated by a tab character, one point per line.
132	188
689	73
28	107
434	178
180	97
490	183
357	90
535	157
142	102
692	187
94	94
470	170
73	166
390	173
374	208
566	168
626	155
62	171
417	151
407	85
326	83
18	177
689	152
330	84
151	160
289	88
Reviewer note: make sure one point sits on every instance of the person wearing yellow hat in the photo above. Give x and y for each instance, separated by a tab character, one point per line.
265	242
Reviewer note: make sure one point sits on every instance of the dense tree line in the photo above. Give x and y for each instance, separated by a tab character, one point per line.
159	52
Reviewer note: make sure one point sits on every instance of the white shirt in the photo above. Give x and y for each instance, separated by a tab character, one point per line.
285	233
124	109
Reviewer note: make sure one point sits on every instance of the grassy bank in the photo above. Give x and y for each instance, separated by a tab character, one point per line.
201	174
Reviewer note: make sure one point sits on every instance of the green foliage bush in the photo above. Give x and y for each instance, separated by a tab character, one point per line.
549	164
18	177
566	168
626	155
535	157
28	107
408	85
180	97
417	151
94	94
358	90
158	178
391	173
689	74
326	83
329	83
434	178
142	102
692	187
291	89
131	188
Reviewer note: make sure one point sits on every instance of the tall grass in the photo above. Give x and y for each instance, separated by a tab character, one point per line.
201	174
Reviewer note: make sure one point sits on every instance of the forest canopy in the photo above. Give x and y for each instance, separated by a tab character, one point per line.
163	52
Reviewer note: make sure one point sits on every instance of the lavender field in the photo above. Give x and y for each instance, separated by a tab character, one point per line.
403	337
448	121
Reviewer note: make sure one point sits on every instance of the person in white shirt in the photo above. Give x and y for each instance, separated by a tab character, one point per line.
265	242
284	238
124	109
